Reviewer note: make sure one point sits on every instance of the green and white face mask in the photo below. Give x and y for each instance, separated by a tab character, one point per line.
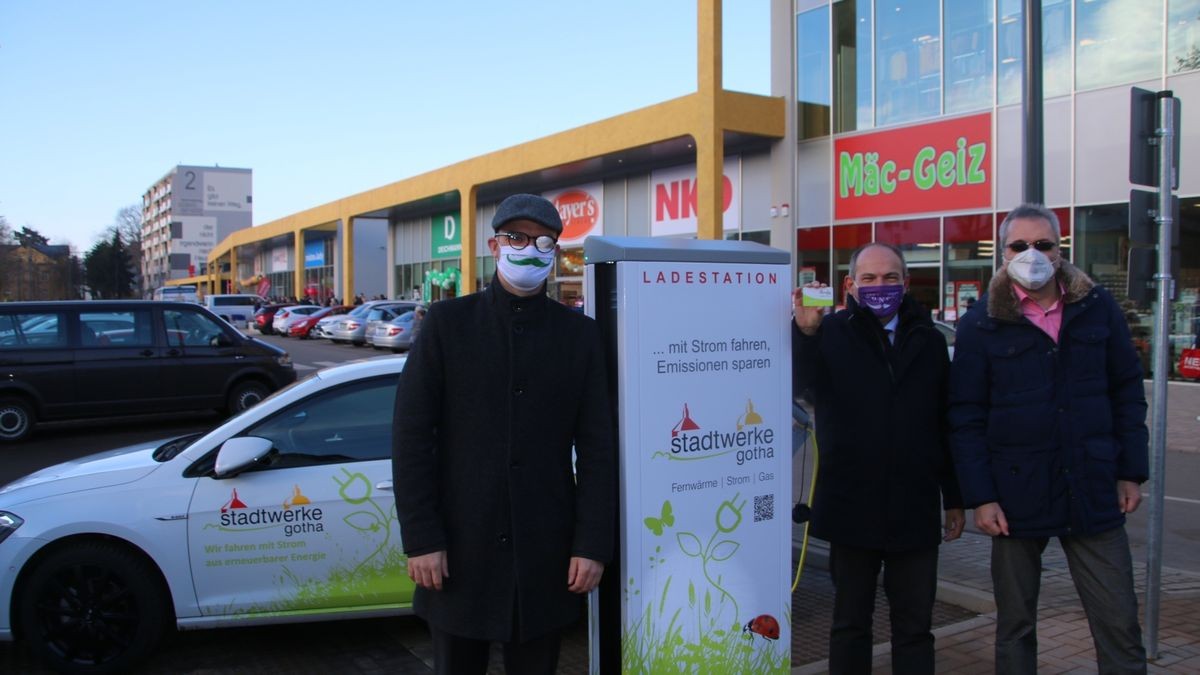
526	269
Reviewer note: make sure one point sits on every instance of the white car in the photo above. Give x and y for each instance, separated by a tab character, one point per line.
287	316
284	513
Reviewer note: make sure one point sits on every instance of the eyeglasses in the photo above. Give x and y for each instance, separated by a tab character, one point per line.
519	240
1042	245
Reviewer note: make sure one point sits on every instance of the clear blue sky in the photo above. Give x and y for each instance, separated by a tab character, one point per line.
321	99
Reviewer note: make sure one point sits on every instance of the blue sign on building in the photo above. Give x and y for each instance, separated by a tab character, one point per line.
314	254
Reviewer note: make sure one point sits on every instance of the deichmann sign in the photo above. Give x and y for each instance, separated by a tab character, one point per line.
674	198
705	466
940	166
582	212
447	237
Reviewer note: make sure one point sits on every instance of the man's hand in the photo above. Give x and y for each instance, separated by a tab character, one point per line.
429	569
955	520
990	518
807	318
584	575
1129	495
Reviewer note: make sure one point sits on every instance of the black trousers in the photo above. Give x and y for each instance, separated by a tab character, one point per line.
910	581
455	655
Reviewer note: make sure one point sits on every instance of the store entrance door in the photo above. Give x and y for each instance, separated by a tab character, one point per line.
923	283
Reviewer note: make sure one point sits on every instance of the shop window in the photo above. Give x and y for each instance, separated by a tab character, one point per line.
907	61
812	73
969	254
968	54
1183	35
812	255
853	80
1117	41
1056	49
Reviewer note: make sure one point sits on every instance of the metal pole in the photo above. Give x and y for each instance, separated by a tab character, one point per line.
1031	104
1158	426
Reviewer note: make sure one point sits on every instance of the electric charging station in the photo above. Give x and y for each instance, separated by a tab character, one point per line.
698	340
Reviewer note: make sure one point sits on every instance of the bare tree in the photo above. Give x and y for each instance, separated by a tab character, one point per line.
6	233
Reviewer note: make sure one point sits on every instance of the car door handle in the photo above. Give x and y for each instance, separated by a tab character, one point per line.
385	485
174	352
147	352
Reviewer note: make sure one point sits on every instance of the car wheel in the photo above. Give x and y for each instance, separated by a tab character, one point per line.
396	350
16	419
246	394
93	607
359	344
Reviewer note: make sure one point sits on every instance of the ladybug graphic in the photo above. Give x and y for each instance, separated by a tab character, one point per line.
763	624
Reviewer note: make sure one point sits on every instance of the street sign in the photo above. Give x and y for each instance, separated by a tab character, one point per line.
1143	137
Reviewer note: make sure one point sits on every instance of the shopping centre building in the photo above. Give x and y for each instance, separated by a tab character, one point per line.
893	120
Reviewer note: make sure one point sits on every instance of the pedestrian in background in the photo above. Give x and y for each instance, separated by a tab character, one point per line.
504	539
1049	437
876	373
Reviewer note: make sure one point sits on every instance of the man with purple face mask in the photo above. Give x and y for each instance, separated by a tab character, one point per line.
876	373
1049	439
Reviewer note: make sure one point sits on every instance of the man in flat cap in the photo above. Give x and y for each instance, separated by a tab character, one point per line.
504	539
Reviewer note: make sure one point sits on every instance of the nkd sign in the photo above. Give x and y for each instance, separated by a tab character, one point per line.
674	194
940	166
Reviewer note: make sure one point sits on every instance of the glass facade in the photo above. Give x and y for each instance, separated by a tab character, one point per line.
1117	41
1183	35
907	61
1056	49
968	62
812	83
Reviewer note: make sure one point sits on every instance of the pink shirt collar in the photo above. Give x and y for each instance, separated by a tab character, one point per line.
1049	320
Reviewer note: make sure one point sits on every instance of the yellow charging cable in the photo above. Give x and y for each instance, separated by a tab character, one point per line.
812	437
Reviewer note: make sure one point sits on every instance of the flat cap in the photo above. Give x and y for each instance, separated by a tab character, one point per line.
528	207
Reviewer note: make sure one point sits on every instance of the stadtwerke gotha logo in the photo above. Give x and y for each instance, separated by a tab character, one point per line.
295	515
745	438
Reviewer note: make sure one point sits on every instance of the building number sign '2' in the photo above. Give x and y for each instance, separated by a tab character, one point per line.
942	166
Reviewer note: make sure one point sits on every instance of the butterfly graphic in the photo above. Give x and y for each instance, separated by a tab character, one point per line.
667	519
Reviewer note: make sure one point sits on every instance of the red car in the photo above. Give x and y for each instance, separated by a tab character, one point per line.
264	316
302	328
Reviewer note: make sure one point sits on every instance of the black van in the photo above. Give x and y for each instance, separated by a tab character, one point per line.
73	359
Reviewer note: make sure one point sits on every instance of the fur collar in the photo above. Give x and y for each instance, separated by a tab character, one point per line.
1002	300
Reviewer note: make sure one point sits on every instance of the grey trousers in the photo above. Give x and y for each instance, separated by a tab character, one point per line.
1102	569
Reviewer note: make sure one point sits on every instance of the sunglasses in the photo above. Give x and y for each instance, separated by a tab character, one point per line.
1042	245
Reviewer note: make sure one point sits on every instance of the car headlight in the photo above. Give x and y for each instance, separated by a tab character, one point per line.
9	522
285	360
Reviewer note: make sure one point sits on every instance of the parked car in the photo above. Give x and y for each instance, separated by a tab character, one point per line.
284	318
949	333
102	358
397	334
236	308
353	328
303	328
281	514
264	316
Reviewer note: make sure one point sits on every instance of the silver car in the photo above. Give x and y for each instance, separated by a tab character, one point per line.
397	334
354	327
287	316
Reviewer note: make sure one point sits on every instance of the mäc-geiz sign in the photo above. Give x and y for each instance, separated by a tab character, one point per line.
939	166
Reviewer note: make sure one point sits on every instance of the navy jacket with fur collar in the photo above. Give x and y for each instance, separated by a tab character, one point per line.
1047	429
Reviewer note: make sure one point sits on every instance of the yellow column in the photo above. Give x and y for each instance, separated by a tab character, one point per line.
467	263
235	279
348	260
298	271
710	145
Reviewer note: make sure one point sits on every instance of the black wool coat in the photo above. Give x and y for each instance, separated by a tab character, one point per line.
496	390
885	472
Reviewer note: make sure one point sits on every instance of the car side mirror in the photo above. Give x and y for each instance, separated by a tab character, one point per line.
220	340
239	454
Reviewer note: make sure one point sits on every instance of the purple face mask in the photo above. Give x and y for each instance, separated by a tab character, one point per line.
883	301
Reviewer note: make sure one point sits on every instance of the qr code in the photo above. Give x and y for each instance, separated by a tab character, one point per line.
764	508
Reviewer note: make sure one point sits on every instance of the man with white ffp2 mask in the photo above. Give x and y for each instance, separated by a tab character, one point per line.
505	534
1047	417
